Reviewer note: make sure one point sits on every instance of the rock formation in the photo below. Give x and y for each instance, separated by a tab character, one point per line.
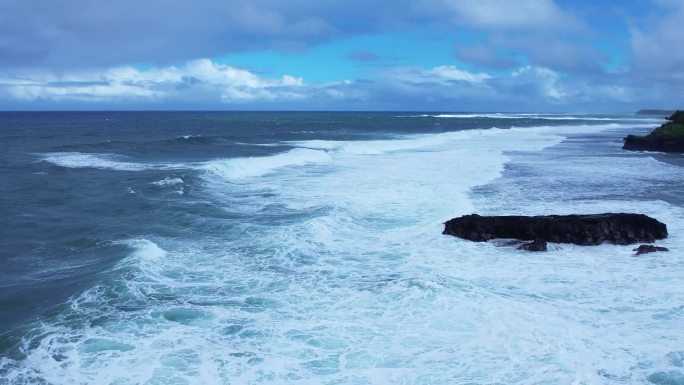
667	138
644	249
536	245
617	228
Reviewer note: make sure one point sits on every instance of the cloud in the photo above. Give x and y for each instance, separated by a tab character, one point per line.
88	33
542	81
503	14
212	85
206	81
526	88
543	55
198	79
97	33
656	47
484	56
444	75
561	54
654	73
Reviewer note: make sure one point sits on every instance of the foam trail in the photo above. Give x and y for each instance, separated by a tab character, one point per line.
101	161
411	161
541	117
84	160
464	138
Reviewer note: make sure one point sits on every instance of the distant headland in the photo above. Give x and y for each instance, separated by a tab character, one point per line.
656	112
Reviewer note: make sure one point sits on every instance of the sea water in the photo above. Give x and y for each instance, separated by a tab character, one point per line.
306	248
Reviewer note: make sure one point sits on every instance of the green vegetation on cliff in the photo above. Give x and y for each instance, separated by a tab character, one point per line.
667	138
675	126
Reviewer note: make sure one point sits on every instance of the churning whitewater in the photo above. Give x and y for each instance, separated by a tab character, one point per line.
308	253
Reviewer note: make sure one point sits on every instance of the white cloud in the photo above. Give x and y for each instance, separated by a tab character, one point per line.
451	73
201	77
445	74
544	79
206	84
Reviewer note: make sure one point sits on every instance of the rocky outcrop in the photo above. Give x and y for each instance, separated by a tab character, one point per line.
617	228
645	249
667	138
536	245
654	142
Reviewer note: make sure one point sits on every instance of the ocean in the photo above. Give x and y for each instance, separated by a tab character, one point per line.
306	248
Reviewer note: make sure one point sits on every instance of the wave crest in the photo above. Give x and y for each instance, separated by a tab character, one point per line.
100	161
240	168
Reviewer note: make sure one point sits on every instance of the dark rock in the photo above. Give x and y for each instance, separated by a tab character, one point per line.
536	245
644	249
667	138
507	242
654	142
620	228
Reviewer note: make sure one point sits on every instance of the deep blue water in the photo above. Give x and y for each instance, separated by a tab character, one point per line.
259	247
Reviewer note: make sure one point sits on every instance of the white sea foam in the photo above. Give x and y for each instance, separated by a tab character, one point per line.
240	168
103	162
513	138
145	249
85	160
358	286
258	144
541	117
168	182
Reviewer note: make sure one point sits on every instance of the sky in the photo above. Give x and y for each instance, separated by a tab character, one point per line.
609	56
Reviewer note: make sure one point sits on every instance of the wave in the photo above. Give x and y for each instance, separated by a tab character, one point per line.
461	159
308	152
197	140
538	117
595	118
103	161
146	250
447	140
324	295
168	182
258	144
240	168
99	161
232	169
